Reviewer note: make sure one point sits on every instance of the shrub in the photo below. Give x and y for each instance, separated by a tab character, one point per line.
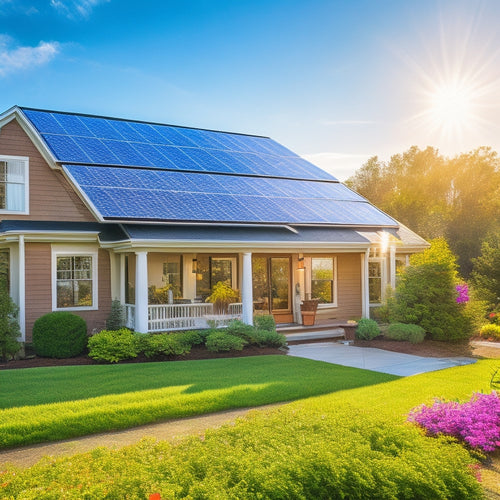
264	322
426	294
476	422
9	326
268	338
367	329
165	344
400	331
222	341
59	335
490	332
114	345
190	338
240	329
116	319
222	295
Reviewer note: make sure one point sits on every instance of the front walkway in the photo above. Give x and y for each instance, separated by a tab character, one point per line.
369	358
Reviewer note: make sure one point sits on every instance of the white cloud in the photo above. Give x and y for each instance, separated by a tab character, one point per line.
76	8
22	58
341	165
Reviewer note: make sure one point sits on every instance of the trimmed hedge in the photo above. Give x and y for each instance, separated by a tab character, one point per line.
221	341
401	331
59	335
114	345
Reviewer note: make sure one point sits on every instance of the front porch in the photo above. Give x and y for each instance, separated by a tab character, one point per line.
163	291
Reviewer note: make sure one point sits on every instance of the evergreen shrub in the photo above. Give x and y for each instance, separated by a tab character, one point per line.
490	332
9	326
264	322
400	331
264	338
221	341
116	319
59	335
240	329
165	344
367	329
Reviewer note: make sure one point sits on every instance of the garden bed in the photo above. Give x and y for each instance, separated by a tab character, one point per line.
197	353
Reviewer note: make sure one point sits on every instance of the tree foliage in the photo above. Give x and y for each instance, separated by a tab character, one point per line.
435	196
486	270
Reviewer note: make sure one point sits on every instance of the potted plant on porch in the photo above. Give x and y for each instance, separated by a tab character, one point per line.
308	310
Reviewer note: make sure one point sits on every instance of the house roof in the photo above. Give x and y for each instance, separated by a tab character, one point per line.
134	171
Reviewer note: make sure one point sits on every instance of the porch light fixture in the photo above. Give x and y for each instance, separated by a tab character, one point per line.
300	265
194	268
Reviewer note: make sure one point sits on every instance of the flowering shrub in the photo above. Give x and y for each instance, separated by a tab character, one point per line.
463	293
494	317
490	331
477	422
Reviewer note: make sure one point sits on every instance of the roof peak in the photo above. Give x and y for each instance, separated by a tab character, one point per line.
89	115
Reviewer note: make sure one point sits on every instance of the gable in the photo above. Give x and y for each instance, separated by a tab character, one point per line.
51	197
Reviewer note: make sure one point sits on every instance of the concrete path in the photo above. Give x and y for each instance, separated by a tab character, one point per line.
377	360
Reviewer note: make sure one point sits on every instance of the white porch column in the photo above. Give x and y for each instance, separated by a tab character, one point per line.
365	290
22	289
246	289
392	265
141	292
123	285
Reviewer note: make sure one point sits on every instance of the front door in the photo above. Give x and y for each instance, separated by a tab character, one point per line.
271	287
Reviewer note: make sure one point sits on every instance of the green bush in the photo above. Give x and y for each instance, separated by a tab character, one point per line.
490	331
115	345
9	326
264	338
426	295
165	344
59	335
264	322
116	319
240	329
221	341
400	331
190	338
367	329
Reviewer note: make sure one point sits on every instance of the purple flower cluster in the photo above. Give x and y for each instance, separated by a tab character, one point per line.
463	293
477	422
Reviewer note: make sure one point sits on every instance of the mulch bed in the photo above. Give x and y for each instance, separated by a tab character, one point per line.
197	352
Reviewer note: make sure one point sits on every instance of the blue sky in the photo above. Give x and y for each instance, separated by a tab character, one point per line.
335	81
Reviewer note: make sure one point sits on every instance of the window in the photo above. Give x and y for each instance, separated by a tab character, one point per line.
75	284
375	281
211	270
172	275
13	184
323	283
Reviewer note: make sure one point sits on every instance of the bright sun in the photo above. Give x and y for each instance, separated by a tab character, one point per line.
451	107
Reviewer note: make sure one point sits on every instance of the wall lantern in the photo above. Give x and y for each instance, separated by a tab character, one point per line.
300	265
194	266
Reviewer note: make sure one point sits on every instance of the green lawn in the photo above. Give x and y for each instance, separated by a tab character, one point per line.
354	443
45	404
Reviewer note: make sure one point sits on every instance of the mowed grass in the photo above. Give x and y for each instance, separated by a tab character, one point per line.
353	443
48	404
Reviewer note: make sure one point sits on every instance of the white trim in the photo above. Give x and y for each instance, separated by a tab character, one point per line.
26	161
365	289
75	251
22	288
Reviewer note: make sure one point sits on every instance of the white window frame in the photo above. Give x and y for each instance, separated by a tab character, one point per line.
24	159
77	251
335	280
383	278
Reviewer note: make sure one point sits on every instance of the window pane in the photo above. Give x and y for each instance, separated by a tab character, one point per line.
374	269
322	279
63	263
83	293
65	293
222	271
322	290
375	286
322	269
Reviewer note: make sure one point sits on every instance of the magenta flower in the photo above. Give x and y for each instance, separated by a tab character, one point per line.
463	293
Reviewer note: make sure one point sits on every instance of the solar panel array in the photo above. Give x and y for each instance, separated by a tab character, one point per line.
137	194
74	138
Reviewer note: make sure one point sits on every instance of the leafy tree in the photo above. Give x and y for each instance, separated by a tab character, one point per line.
9	327
486	270
426	295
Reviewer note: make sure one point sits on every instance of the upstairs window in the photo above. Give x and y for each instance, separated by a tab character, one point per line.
13	184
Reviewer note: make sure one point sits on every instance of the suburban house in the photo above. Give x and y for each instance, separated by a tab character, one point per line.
94	209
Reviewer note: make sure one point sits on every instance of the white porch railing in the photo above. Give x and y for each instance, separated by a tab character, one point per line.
164	317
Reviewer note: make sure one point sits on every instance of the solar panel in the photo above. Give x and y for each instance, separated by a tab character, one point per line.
136	194
108	141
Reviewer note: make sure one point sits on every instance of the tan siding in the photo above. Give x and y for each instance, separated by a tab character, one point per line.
39	288
51	195
348	289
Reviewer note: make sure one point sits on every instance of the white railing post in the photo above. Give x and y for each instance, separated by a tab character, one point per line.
141	292
246	289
